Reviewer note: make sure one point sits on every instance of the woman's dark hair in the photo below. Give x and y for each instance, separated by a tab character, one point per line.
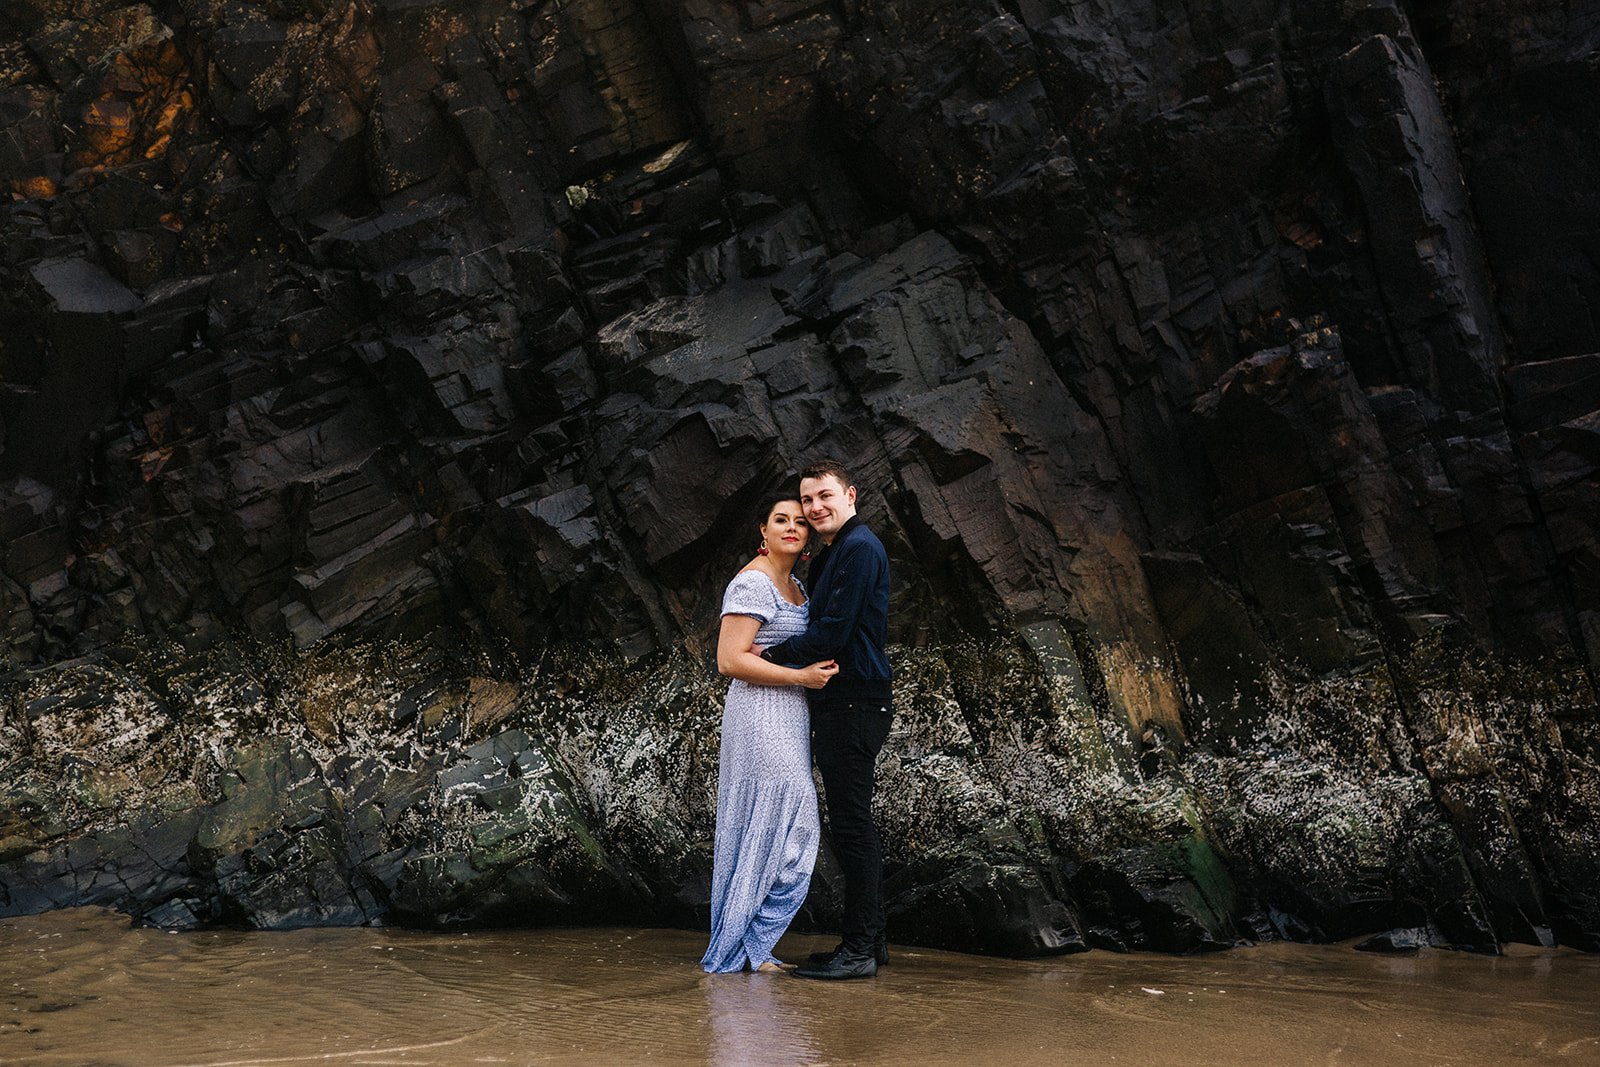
772	500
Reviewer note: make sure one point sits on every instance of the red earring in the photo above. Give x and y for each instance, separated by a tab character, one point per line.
805	557
762	551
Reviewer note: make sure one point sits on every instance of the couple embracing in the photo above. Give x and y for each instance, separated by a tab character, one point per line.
810	678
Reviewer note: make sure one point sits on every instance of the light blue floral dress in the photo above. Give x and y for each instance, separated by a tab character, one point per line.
767	826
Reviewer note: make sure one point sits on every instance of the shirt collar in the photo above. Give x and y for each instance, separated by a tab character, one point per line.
849	524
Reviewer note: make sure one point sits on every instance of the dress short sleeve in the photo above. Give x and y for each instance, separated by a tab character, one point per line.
750	594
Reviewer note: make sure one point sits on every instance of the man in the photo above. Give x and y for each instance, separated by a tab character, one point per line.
849	717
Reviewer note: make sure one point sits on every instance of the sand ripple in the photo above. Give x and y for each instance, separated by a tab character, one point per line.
81	988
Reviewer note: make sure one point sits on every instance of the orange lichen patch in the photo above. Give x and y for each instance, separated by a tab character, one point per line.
108	129
667	158
441	29
153	462
1302	233
39	187
109	113
144	99
158	425
168	119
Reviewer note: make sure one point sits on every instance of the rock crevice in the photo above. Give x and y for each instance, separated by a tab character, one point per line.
383	389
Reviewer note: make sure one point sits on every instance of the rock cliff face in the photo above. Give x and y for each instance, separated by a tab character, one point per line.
385	385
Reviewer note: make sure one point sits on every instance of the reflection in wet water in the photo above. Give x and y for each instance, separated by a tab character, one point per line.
80	987
751	1019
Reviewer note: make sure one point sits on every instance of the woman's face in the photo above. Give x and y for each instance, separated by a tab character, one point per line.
786	529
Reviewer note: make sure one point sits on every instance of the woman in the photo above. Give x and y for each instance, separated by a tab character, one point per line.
767	826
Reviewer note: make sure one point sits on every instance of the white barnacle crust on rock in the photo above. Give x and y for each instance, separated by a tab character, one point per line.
384	389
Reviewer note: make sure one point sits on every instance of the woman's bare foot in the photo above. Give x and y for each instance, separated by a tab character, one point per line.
774	967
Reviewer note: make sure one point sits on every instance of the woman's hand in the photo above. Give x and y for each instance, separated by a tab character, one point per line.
817	675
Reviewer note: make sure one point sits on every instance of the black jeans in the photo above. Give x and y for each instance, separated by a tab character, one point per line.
845	739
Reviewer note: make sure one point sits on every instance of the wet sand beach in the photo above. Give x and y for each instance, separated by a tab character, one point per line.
80	987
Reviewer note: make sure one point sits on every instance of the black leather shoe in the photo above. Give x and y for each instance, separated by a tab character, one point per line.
824	957
841	965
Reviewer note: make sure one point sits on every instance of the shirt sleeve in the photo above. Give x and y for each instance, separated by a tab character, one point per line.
750	594
827	634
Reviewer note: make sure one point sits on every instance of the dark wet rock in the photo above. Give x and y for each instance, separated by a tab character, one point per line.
383	390
78	287
1393	136
138	866
509	837
268	844
1400	939
1157	899
984	907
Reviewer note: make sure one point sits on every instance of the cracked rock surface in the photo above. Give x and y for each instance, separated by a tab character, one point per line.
384	387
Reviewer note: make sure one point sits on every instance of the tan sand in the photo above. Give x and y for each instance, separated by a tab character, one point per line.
80	988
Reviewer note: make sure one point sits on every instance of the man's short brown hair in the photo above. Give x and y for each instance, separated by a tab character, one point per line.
823	468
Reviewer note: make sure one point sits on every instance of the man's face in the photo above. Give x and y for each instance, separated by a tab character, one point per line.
828	503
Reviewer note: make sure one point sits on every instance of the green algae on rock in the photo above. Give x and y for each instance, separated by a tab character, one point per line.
383	387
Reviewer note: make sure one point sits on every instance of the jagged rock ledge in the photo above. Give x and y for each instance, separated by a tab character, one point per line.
1227	411
257	786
